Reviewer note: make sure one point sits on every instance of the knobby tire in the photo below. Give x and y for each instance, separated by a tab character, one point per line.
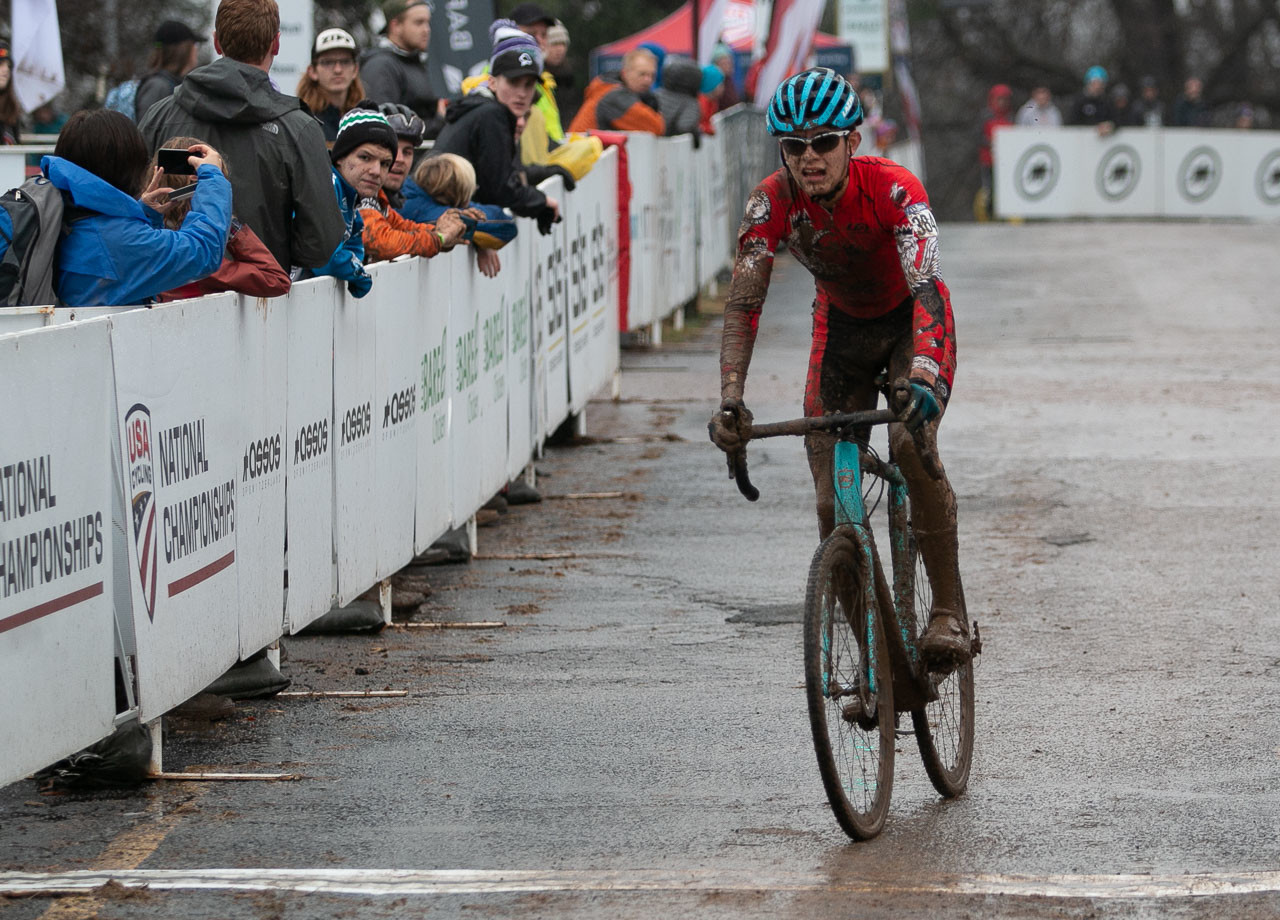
853	728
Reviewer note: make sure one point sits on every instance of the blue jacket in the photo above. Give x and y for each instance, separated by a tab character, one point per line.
347	261
494	233
121	255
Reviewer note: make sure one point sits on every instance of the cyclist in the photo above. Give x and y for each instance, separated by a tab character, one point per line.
863	228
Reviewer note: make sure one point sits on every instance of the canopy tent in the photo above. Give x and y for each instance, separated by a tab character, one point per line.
675	34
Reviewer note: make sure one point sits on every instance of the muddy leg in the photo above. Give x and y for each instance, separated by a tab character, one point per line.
820	446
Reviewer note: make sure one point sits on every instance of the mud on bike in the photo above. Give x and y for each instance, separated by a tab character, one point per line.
862	667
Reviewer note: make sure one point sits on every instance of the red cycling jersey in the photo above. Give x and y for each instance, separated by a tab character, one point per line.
877	250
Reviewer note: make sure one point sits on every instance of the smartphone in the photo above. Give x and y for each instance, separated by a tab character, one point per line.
182	194
174	161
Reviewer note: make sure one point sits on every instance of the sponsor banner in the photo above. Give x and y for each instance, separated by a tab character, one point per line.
56	638
478	326
296	39
1205	174
593	281
677	226
550	324
521	408
713	208
310	444
262	346
459	43
182	439
398	376
434	505
646	281
355	529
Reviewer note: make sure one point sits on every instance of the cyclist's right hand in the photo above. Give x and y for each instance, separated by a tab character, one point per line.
730	427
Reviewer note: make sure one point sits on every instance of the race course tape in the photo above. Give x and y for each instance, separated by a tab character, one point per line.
401	882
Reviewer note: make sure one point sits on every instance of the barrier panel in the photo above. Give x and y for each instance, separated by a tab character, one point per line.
314	436
1137	172
646	243
56	641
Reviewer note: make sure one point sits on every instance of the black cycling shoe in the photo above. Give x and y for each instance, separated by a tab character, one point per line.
945	645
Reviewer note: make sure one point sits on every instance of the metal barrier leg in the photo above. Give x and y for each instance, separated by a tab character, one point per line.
655	333
615	386
677	319
157	746
384	592
530	476
471	535
580	424
273	654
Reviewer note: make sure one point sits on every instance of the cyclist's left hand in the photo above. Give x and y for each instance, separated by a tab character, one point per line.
918	406
730	427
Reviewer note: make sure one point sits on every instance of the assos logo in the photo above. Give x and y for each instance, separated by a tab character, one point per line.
146	536
357	422
400	406
312	441
261	457
1037	172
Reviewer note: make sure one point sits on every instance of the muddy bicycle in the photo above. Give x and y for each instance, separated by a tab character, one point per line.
862	665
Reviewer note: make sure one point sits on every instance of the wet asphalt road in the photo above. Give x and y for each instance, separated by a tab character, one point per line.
634	741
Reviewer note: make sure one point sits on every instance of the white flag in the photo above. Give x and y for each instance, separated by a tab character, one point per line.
790	37
37	53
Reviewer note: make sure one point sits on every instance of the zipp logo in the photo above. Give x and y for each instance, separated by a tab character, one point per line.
261	457
312	441
400	406
357	423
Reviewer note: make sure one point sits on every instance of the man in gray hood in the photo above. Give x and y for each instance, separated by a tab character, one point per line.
274	149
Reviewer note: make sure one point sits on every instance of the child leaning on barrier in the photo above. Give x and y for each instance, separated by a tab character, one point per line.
446	181
248	267
114	251
361	156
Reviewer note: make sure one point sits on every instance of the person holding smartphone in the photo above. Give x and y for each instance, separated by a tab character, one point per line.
114	250
247	264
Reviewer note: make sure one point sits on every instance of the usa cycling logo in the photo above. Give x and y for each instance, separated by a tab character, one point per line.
1118	173
1199	174
146	536
1037	172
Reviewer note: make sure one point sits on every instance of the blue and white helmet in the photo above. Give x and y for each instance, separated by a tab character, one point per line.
818	98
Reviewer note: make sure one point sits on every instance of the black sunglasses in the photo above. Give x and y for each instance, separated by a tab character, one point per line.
822	144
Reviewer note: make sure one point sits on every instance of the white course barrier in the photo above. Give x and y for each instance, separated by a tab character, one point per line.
1137	172
182	485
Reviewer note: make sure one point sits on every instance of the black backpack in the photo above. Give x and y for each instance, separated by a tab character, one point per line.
30	226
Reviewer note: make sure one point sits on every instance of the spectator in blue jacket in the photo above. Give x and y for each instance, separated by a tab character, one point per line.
447	181
116	251
362	156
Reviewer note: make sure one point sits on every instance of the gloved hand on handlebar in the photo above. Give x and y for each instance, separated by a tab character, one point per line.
920	406
730	427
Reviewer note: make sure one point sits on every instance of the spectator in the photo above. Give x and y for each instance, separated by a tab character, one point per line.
722	60
999	114
1092	108
111	252
387	234
710	93
362	156
678	98
1245	120
396	70
448	182
10	110
623	102
175	54
330	86
47	120
1122	111
534	21
886	136
568	94
247	266
282	187
481	127
1189	109
1148	109
1039	111
660	57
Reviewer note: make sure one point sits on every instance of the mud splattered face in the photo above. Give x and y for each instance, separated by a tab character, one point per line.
822	175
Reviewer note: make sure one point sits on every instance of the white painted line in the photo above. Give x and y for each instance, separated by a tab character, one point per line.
401	882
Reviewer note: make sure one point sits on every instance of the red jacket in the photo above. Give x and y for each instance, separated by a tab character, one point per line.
248	267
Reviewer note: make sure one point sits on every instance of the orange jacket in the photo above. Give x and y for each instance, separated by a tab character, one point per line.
607	105
248	267
388	233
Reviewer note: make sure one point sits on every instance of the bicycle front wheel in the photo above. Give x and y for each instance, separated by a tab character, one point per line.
944	727
849	689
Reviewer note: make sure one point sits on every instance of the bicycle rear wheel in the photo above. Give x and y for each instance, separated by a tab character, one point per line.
849	690
944	728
